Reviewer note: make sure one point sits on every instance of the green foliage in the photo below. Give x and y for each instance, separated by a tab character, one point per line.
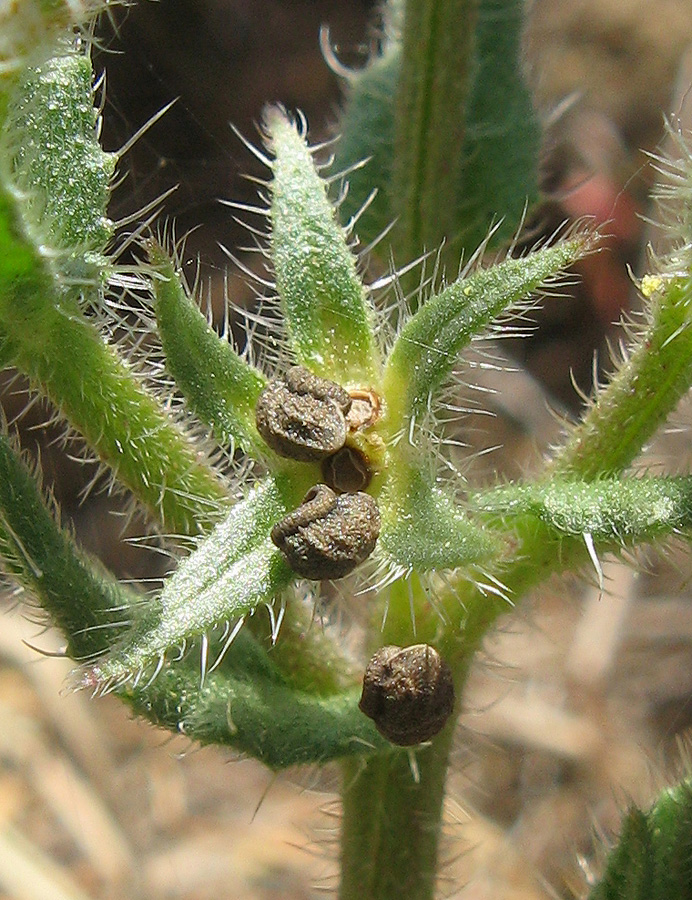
48	248
651	860
234	705
235	570
613	510
453	79
424	529
329	321
88	606
428	345
49	135
221	388
205	655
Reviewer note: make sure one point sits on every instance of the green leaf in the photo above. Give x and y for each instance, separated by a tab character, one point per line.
47	337
245	704
432	97
366	128
427	346
499	173
327	314
232	572
88	606
629	872
627	510
220	387
58	166
438	192
424	529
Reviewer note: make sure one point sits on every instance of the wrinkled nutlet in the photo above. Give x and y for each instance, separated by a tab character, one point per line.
408	693
329	534
302	416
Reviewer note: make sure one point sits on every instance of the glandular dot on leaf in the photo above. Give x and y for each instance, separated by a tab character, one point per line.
303	416
408	692
328	535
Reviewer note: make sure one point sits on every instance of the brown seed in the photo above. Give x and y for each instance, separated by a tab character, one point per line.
347	470
302	416
329	534
408	693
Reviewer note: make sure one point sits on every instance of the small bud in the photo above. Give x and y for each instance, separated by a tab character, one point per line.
302	416
408	693
328	535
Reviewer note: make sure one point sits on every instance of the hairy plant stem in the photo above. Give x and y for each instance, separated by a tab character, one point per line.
391	823
641	395
392	820
393	803
433	88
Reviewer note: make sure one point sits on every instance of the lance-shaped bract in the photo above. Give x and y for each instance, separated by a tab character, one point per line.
427	345
647	387
232	572
609	509
327	314
255	711
220	387
424	529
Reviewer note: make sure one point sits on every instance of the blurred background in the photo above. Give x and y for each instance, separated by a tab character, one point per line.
580	702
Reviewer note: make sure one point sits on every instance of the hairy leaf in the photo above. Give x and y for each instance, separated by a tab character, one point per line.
610	509
423	528
427	346
220	387
246	704
232	572
328	316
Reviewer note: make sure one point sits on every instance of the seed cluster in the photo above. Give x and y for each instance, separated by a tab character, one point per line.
305	417
302	416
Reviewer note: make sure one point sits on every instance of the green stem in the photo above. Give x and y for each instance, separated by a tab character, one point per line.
641	395
391	823
433	89
392	816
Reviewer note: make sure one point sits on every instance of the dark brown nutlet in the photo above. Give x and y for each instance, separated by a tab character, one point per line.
302	416
329	534
347	470
408	692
